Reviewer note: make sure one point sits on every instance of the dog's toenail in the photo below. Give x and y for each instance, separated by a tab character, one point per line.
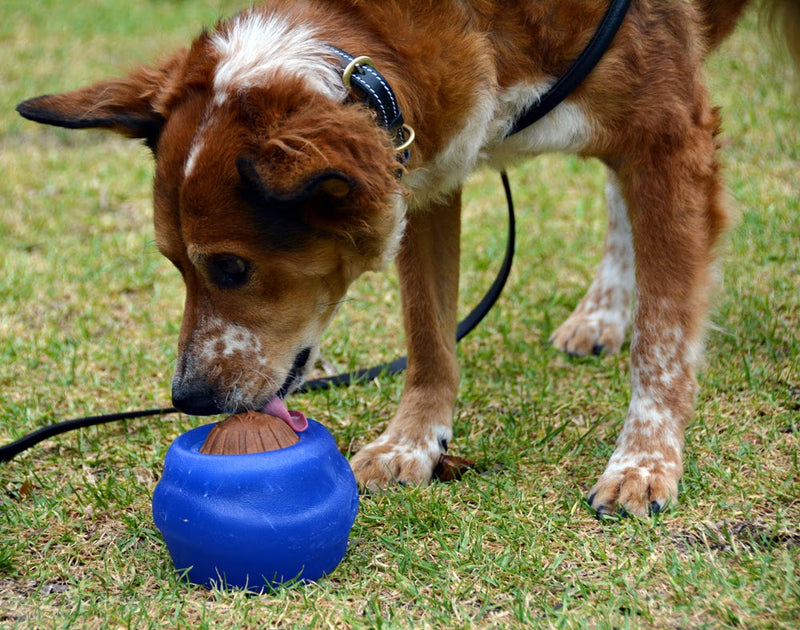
655	507
602	512
598	349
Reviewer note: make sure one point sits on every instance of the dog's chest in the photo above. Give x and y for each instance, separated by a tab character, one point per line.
483	140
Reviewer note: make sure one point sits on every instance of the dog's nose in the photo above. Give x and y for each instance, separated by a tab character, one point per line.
194	400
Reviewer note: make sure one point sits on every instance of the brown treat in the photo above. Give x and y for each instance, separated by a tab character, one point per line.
248	432
452	468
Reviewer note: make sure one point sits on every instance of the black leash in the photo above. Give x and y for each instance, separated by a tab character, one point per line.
579	69
13	449
379	95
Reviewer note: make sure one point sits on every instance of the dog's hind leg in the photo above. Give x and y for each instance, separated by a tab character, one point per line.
600	321
674	196
428	262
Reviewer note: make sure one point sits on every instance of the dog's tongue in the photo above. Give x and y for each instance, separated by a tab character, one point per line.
295	419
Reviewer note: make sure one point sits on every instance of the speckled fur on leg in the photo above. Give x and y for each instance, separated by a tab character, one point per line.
675	205
599	323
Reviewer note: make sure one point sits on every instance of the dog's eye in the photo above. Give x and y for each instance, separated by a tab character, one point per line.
228	271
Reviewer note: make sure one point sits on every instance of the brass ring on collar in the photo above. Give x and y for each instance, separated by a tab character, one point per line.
409	140
354	65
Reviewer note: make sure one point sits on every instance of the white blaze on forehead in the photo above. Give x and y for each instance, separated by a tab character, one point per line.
254	47
191	160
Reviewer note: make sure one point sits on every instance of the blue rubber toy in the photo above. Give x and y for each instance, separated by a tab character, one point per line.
258	520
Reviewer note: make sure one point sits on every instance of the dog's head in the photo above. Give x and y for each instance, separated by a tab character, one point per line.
272	194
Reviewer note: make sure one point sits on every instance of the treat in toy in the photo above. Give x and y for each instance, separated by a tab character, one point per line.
255	520
248	432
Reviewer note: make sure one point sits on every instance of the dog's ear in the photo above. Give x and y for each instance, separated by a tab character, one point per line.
326	182
314	201
133	105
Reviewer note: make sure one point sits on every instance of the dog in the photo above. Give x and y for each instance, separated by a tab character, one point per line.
275	188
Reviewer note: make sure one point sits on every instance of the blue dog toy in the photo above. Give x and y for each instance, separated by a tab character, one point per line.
257	520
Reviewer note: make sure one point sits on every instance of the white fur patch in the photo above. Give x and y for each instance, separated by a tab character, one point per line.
396	237
221	340
619	267
565	128
255	47
653	419
419	451
482	139
448	169
614	282
622	462
252	49
191	160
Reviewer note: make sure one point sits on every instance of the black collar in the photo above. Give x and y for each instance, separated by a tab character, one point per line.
359	72
579	69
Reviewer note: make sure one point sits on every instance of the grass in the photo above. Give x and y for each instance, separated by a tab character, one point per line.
89	315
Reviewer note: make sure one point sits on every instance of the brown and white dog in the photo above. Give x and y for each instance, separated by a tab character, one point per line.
275	190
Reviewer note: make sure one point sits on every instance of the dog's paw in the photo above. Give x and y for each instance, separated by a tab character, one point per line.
588	332
399	460
636	489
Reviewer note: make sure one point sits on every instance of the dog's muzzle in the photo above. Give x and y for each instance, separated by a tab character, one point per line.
194	395
194	398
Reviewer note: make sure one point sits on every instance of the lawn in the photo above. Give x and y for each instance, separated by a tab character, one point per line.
89	317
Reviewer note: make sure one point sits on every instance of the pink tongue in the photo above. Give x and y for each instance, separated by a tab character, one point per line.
295	419
298	421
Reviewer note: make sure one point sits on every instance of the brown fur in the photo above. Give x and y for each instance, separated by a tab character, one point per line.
272	198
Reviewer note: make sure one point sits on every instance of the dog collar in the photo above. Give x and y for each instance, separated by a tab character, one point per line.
360	72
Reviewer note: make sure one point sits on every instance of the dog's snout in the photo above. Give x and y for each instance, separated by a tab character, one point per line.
194	399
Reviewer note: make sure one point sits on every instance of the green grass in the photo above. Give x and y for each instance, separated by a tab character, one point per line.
89	316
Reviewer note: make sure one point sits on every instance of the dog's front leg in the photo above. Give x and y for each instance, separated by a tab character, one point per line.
674	200
428	263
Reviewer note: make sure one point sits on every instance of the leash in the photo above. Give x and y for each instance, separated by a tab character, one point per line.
360	71
579	69
11	450
465	326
